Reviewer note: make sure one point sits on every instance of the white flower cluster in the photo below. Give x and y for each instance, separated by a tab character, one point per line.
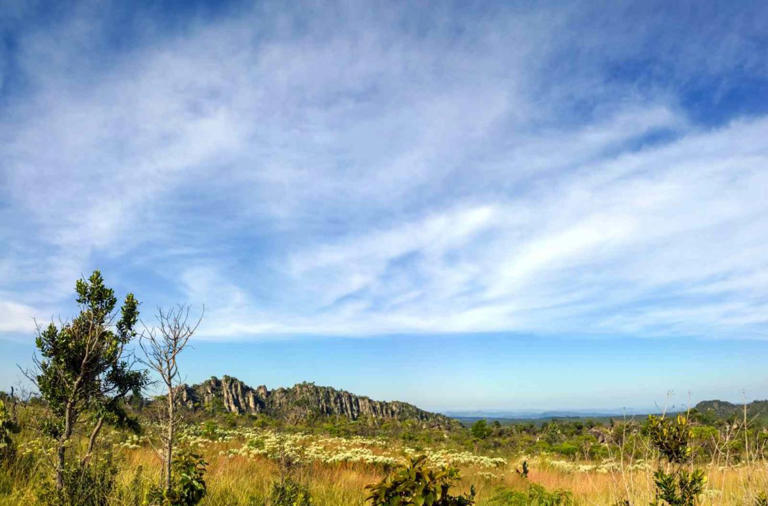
133	441
604	467
307	448
445	458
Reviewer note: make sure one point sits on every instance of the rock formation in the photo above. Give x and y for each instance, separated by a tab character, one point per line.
302	401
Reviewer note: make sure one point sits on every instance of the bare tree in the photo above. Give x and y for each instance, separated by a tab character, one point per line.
161	346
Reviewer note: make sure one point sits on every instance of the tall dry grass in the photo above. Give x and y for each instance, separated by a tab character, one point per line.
242	481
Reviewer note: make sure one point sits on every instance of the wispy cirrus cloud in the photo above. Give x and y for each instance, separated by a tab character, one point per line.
358	171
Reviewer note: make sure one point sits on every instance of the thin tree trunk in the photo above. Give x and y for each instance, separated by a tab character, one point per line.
63	440
169	444
92	441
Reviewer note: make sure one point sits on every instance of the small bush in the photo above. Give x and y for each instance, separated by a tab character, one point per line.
8	426
480	429
89	485
188	487
680	488
289	493
670	437
414	483
536	495
210	430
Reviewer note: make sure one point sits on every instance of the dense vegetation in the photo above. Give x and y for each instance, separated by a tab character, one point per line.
89	437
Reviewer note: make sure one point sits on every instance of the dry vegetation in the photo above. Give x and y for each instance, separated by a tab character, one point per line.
245	461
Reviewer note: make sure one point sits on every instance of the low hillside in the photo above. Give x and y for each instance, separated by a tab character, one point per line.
720	410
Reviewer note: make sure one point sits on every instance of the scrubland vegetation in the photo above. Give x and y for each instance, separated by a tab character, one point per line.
90	438
249	460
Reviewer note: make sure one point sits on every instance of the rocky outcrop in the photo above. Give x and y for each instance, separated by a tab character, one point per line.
302	401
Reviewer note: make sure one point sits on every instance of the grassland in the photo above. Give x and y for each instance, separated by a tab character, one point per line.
591	464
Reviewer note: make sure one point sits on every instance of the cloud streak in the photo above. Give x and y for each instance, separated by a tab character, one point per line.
403	171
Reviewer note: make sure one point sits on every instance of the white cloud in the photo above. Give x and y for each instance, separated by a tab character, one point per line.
377	178
16	317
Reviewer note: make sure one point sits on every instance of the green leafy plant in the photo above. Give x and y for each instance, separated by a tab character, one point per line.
188	487
678	487
288	492
536	495
417	484
8	426
670	437
480	429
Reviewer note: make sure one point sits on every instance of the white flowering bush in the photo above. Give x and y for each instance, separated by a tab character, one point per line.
311	448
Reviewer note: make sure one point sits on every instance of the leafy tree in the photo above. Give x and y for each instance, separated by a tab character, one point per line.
480	429
416	484
83	370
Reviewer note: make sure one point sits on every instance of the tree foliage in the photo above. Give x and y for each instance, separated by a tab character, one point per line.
670	437
480	429
83	369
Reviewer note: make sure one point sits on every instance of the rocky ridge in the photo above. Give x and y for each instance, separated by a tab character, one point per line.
302	401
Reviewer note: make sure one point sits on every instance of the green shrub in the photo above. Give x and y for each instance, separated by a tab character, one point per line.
289	493
188	487
416	484
210	430
8	426
83	485
480	429
536	495
567	449
678	487
670	437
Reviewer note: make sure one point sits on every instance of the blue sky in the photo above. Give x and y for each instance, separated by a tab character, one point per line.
467	205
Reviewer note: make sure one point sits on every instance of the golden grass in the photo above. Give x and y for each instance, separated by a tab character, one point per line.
237	480
243	480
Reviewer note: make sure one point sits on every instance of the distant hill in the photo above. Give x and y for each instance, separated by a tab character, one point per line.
300	402
756	410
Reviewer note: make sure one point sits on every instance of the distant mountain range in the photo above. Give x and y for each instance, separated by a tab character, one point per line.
300	402
714	409
541	415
